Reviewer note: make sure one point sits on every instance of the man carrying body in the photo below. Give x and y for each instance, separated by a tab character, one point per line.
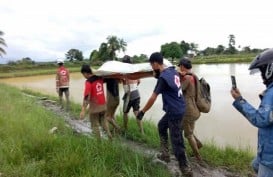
168	84
131	98
94	97
192	113
112	87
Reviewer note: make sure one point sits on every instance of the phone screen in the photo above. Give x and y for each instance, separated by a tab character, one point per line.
233	81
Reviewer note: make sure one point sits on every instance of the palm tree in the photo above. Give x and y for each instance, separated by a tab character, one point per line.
123	45
231	40
3	43
115	44
231	45
103	52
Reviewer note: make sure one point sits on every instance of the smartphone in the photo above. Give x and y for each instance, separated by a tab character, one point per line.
233	81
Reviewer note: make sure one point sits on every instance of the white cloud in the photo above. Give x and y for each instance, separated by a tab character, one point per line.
47	29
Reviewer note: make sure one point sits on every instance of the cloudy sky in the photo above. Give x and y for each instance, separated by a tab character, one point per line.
47	29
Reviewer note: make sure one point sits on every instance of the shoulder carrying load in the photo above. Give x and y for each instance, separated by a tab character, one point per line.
203	96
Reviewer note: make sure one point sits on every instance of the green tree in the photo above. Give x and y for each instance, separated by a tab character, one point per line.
171	50
74	54
231	40
115	44
95	58
255	50
2	43
209	51
140	59
184	47
231	45
26	61
103	53
220	49
246	49
94	55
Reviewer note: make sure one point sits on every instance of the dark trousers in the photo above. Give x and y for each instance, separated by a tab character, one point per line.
173	123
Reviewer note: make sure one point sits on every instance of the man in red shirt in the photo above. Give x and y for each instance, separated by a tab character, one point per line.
94	97
62	83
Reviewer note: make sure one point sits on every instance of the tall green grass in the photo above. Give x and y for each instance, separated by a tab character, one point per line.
234	159
237	160
28	149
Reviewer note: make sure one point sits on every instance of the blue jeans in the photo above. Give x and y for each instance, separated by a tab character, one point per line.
262	170
255	164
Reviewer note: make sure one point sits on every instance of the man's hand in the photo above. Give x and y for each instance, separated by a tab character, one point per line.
57	90
182	73
140	115
235	93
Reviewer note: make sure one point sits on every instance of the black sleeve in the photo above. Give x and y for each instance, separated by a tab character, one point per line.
105	80
160	85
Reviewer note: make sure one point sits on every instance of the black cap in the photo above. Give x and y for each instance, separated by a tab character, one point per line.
185	62
156	57
86	69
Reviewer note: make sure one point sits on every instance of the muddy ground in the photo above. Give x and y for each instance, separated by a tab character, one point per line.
83	127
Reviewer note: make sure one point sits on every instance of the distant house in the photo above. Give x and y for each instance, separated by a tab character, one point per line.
191	54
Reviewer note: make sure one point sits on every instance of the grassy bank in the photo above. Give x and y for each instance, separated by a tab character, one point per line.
33	72
31	69
235	58
27	148
228	157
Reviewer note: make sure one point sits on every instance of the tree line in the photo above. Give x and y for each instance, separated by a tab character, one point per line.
173	50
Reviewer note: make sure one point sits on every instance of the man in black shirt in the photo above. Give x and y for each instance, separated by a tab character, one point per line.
168	84
112	101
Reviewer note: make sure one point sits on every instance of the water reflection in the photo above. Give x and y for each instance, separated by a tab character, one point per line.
224	125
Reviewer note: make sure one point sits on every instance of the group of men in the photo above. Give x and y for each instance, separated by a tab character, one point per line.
94	96
102	110
101	107
178	95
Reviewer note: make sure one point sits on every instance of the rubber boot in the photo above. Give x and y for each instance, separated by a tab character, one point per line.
186	171
164	152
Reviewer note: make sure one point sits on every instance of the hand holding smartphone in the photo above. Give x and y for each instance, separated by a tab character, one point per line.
233	81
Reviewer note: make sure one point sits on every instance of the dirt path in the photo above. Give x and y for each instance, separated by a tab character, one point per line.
83	127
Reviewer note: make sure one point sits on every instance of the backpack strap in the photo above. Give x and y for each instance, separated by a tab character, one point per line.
196	82
197	85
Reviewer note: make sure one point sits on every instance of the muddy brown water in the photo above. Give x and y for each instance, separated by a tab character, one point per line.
223	125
